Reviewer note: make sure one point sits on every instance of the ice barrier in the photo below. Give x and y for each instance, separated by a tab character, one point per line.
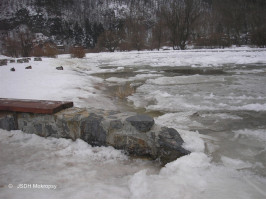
138	135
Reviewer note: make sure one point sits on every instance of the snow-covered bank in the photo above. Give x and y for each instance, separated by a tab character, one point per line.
80	171
44	82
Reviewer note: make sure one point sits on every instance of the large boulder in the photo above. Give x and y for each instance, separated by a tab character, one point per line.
170	145
142	123
38	59
23	60
92	130
3	62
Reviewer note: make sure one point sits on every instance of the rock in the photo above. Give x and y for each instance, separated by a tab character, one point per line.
3	62
37	59
137	135
60	68
138	147
12	69
122	135
92	130
68	122
142	123
119	141
39	124
50	130
170	145
116	125
23	60
12	61
136	144
29	67
8	121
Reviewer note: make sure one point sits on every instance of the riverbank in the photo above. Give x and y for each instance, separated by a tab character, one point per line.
214	98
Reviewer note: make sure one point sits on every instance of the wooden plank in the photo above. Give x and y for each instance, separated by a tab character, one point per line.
33	106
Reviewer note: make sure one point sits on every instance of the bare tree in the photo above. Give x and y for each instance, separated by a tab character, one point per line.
26	43
136	33
19	43
12	47
110	40
232	16
256	19
138	36
180	17
158	34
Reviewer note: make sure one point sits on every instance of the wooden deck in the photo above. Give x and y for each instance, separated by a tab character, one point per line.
33	106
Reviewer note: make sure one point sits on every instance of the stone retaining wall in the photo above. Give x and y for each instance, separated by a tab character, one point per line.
136	134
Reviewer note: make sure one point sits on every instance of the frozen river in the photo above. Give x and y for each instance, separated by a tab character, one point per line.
216	99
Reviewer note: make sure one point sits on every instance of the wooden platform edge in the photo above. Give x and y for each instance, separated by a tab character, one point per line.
34	106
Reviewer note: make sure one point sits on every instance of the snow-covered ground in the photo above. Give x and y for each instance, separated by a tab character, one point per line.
221	117
43	81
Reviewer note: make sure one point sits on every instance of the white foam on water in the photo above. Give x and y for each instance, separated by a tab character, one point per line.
135	78
161	99
252	106
259	134
117	80
182	80
222	116
235	163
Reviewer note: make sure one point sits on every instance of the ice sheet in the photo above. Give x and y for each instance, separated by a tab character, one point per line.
80	171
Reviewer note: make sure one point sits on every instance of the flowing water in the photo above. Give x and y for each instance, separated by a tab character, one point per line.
224	106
